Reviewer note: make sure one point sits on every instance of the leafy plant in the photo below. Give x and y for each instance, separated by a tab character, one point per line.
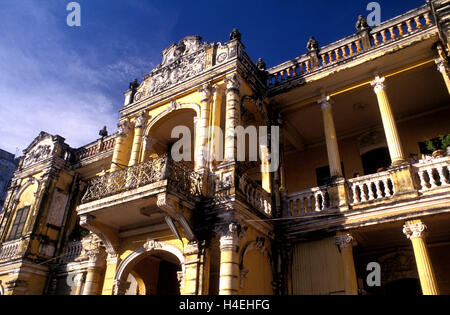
445	141
440	143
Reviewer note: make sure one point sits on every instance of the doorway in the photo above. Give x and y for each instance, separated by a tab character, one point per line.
376	159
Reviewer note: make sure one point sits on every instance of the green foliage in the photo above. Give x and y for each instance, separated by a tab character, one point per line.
440	143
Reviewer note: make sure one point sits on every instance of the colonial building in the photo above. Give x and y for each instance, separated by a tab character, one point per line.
355	188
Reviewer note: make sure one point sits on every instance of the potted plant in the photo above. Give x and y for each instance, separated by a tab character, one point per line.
440	147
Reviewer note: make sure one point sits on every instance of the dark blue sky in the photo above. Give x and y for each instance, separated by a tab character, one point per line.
70	81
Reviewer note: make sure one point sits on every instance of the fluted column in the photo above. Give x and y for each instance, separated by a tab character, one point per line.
345	243
334	158
120	148
201	149
229	262
414	230
232	116
390	127
139	124
97	258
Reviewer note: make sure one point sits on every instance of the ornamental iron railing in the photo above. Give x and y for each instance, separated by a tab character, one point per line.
180	178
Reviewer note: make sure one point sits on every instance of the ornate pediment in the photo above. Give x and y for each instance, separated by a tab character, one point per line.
180	62
42	148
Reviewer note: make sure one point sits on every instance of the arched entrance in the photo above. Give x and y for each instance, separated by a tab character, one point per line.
158	134
154	269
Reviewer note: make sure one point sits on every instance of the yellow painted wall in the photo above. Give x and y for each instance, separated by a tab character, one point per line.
260	271
317	268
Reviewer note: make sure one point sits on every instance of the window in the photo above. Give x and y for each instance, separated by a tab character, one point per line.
323	175
19	223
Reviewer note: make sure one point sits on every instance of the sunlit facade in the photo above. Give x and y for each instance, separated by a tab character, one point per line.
355	184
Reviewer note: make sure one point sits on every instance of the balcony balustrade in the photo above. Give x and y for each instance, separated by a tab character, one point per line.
180	178
363	192
9	250
411	23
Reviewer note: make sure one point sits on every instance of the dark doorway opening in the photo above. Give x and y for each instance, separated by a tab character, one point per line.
376	159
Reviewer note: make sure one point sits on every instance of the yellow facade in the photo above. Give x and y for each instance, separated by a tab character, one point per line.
123	216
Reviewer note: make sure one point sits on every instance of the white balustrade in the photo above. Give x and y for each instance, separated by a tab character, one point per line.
370	188
308	202
9	250
433	174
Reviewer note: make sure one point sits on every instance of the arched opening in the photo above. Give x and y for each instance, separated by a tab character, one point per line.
152	272
159	139
375	160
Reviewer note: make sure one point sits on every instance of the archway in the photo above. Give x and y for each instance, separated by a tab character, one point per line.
154	269
158	134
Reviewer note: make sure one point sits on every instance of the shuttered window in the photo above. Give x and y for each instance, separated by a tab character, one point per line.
19	223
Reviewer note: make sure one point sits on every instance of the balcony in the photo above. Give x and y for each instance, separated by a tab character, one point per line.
130	197
409	26
10	250
431	179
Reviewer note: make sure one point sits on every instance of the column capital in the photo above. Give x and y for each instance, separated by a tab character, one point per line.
414	230
206	91
325	102
229	239
378	84
442	65
124	127
141	120
233	83
344	241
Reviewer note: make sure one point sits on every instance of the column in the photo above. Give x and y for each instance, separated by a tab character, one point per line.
232	116
216	143
229	262
390	128
414	230
79	280
201	149
139	124
94	272
334	158
443	68
345	243
196	278
120	148
112	263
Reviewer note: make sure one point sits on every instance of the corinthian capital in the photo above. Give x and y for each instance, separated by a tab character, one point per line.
141	120
325	102
344	241
233	83
414	230
124	127
442	65
206	92
378	84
